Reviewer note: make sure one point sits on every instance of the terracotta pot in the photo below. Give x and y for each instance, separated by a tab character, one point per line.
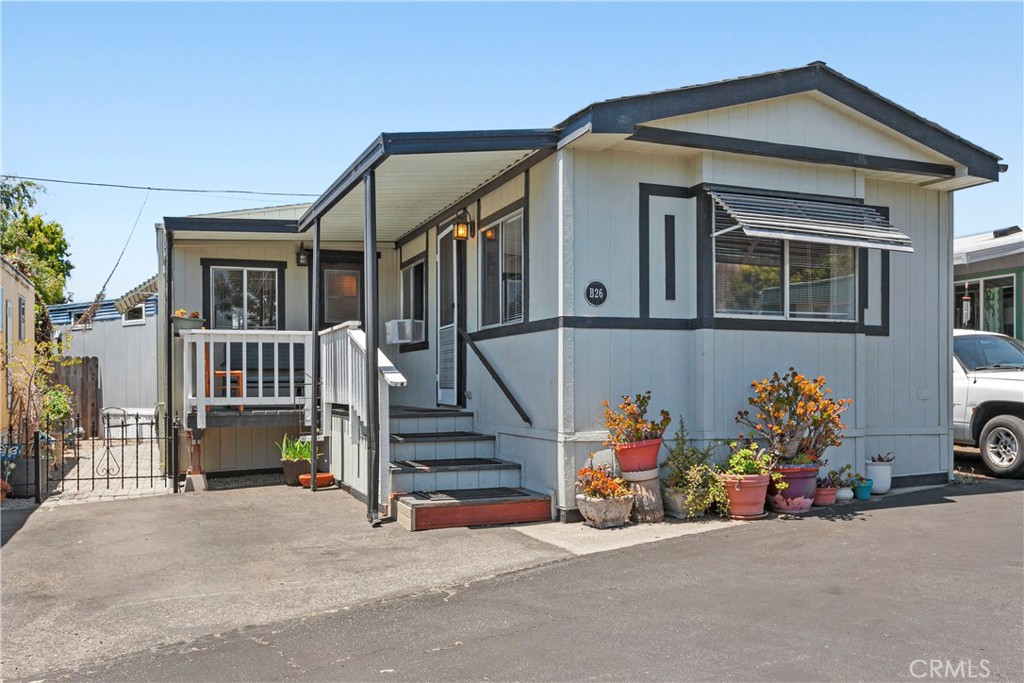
825	496
844	494
675	504
604	513
322	479
880	474
798	496
746	494
292	470
638	457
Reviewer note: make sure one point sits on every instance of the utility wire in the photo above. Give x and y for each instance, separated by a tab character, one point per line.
160	189
87	316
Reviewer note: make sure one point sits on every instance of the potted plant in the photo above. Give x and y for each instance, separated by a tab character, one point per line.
861	487
636	439
842	479
181	320
879	471
603	499
826	488
295	459
746	480
797	420
692	485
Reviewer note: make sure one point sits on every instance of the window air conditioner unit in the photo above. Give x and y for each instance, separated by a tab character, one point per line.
400	331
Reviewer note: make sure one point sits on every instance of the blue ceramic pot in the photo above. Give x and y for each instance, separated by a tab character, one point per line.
863	491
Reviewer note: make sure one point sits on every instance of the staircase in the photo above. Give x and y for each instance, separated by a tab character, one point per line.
444	474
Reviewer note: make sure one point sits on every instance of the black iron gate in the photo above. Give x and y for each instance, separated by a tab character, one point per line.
127	456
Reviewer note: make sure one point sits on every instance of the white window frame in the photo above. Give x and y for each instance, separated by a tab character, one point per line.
245	288
74	321
125	322
786	315
500	226
411	269
981	295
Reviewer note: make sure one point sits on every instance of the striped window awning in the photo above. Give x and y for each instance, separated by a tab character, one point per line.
807	220
136	296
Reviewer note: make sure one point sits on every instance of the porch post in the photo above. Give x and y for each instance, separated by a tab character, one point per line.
370	314
314	327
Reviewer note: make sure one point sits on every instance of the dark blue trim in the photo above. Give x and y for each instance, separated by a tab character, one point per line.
197	224
776	150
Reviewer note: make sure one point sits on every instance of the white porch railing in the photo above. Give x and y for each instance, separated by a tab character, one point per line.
343	379
231	368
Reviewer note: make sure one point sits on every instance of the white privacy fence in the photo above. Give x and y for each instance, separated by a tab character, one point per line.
243	368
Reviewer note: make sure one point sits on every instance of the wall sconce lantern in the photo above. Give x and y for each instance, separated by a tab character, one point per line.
302	256
463	226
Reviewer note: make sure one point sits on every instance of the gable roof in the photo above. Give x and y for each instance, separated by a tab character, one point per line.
626	114
423	183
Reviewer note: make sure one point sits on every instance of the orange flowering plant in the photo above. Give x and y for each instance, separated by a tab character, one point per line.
599	482
795	416
630	424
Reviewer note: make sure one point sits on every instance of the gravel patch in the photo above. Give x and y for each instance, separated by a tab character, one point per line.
244	481
18	503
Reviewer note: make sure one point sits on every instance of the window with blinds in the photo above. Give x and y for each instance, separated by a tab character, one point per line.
502	272
414	298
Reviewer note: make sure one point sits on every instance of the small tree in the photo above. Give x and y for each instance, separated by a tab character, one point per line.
35	395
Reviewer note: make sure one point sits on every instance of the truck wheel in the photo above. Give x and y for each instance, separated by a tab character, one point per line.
1002	445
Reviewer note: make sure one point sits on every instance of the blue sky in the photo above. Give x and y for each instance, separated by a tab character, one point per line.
282	97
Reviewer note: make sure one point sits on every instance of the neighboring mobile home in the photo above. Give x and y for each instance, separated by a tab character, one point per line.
686	241
17	330
988	271
122	334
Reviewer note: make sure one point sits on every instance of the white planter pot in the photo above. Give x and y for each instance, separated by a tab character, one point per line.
843	494
604	513
675	504
880	474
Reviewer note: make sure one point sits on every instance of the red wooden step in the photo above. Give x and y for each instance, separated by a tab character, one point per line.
471	507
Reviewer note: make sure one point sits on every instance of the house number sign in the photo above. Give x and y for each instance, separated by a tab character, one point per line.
597	293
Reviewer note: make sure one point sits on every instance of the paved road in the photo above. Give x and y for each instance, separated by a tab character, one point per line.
858	595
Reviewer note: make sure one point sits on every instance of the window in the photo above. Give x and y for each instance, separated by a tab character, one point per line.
75	325
414	298
758	276
502	271
21	318
986	304
134	316
244	298
342	300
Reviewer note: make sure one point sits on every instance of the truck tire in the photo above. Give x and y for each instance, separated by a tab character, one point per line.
1002	445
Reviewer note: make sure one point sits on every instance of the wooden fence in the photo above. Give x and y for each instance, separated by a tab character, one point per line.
82	376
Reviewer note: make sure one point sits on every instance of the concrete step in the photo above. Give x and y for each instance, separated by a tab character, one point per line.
478	507
434	445
426	422
453	473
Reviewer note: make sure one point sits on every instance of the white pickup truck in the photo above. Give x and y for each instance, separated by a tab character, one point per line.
988	398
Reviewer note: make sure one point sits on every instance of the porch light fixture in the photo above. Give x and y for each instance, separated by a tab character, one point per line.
463	227
302	256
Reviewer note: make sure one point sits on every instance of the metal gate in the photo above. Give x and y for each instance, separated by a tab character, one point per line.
127	458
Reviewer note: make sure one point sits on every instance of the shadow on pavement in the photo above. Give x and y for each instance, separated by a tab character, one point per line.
11	522
848	512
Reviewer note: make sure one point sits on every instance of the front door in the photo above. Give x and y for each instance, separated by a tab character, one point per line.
447	320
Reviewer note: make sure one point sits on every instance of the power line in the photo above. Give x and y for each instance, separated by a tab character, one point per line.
160	189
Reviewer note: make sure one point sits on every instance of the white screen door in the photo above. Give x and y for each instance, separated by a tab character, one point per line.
447	319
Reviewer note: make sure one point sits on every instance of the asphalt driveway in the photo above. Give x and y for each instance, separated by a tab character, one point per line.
274	584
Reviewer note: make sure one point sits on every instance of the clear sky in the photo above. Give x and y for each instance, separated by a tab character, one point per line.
282	97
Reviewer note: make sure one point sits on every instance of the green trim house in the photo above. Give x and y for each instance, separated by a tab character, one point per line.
988	277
